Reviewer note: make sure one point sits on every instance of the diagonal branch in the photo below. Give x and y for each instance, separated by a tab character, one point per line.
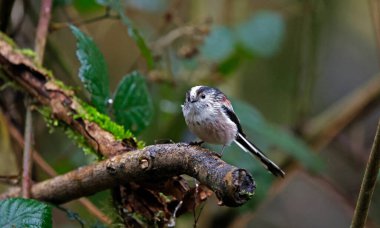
368	184
233	186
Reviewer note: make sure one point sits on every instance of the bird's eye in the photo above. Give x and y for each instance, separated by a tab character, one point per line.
203	96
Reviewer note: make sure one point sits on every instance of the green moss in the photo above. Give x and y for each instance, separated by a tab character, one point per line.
62	85
53	123
8	40
81	142
28	52
91	114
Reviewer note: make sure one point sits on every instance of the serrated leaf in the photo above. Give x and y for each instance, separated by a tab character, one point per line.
133	32
219	44
93	71
132	103
270	135
262	33
19	212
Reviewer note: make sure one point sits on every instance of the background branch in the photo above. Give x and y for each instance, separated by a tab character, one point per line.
368	184
42	29
233	186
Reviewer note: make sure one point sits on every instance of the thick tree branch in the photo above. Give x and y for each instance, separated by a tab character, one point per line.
233	186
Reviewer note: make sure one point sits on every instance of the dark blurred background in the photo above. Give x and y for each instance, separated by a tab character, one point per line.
302	76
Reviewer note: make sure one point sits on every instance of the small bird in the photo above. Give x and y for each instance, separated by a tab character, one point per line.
209	115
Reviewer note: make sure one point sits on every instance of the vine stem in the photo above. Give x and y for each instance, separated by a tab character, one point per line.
368	184
27	156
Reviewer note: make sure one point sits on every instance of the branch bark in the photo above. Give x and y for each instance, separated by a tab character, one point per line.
233	186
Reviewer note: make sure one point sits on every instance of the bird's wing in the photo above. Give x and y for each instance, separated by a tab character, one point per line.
232	116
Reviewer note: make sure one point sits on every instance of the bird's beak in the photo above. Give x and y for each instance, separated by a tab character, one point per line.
193	99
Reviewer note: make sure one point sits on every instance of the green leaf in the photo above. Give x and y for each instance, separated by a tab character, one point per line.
86	6
219	44
262	33
93	70
132	103
133	32
270	135
19	212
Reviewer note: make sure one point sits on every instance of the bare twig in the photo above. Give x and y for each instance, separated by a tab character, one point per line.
27	155
374	8
10	179
42	29
60	25
368	184
233	186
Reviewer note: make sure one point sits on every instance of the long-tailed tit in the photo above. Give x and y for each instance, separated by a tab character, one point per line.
210	116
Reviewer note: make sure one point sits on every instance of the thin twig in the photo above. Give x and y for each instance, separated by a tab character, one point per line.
27	155
10	179
42	29
60	25
368	184
199	214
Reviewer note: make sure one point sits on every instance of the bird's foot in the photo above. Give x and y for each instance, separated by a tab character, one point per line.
163	141
195	143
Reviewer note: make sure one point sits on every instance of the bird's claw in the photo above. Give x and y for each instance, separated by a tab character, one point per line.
196	143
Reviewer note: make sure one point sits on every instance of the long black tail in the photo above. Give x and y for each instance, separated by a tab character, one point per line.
247	146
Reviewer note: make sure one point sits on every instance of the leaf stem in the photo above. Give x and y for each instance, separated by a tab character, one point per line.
368	184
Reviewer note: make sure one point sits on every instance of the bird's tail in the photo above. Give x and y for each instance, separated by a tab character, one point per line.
247	146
